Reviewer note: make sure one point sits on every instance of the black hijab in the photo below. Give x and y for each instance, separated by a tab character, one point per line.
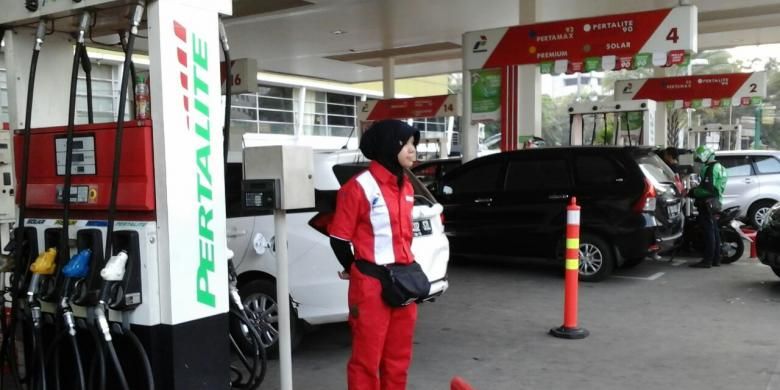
384	140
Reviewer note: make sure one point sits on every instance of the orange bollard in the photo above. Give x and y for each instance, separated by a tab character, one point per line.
569	329
459	383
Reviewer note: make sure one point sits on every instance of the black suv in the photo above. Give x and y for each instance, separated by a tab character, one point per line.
514	205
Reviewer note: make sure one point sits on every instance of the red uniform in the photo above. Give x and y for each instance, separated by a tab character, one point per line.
375	215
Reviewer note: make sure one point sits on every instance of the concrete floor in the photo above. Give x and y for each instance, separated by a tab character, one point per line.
660	325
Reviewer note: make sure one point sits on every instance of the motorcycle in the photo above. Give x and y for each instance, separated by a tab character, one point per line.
732	244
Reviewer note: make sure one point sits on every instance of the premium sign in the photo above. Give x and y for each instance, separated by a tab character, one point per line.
633	40
421	107
714	90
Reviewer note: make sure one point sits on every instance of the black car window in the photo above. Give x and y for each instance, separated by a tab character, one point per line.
475	179
595	170
233	178
537	175
767	164
736	165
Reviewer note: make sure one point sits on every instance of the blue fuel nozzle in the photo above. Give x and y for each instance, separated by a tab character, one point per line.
78	266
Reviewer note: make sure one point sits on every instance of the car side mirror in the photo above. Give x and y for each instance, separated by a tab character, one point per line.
446	190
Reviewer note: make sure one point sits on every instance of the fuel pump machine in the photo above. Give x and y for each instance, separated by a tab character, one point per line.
121	229
617	112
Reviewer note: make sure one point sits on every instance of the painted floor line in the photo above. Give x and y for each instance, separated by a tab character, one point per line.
677	263
774	379
651	277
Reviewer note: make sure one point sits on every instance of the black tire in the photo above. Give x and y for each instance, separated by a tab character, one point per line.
259	298
776	270
731	247
596	258
757	212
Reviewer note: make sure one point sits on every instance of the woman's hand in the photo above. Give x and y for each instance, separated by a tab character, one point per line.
343	275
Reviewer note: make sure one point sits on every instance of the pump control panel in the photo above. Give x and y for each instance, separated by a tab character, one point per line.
285	170
92	164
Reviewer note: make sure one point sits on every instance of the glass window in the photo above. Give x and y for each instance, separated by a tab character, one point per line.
655	169
279	92
328	114
595	170
767	164
736	165
481	178
275	116
537	175
276	104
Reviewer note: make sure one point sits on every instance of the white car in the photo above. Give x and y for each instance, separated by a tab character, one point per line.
753	182
317	294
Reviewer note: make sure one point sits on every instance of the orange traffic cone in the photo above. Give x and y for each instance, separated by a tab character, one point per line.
459	383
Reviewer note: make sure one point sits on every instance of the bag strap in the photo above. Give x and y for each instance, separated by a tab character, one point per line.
371	269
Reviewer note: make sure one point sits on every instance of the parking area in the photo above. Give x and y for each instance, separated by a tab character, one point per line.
660	325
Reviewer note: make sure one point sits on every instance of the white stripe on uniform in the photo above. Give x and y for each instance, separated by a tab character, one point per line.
380	219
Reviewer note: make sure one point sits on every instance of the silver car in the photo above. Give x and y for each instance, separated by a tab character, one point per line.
753	182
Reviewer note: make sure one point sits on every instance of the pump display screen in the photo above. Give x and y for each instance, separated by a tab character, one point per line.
82	158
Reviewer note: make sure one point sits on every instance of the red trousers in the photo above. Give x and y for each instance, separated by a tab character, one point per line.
381	337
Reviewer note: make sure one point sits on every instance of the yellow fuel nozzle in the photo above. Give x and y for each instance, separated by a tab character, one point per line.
44	264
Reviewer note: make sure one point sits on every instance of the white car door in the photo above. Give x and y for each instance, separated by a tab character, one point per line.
742	184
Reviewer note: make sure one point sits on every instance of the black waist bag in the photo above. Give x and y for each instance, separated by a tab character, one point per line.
402	284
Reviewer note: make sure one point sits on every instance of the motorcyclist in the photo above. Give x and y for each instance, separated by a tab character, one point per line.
708	196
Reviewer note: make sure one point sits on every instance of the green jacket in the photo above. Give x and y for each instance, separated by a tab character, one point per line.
712	184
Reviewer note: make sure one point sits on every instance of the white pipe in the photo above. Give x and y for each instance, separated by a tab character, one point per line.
283	300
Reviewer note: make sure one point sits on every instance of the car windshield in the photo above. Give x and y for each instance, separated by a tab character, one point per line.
655	169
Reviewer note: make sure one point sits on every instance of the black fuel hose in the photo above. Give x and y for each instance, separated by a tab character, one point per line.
64	249
99	358
117	365
228	101
120	128
86	65
144	359
18	285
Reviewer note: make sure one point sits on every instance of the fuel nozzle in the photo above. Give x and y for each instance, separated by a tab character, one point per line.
112	273
76	269
44	265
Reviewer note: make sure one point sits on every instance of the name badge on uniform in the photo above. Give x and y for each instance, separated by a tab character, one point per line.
409	198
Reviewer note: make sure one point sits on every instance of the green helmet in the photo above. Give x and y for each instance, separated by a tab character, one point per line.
704	153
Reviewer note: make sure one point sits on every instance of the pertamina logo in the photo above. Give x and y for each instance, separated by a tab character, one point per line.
196	48
479	46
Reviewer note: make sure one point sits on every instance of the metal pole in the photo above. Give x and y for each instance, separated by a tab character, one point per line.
757	135
469	141
283	300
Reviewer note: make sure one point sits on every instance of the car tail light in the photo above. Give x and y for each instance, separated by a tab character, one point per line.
321	221
646	202
679	184
441	217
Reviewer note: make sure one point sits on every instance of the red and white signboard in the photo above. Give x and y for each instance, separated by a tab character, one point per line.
633	40
713	90
243	73
419	107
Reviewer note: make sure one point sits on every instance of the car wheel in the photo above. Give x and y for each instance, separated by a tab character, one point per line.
731	247
596	260
776	270
758	212
259	298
